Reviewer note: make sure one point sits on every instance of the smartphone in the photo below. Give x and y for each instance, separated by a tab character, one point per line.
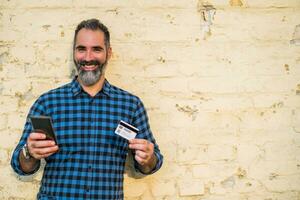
43	124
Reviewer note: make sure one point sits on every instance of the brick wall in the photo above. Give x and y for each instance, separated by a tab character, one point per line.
220	80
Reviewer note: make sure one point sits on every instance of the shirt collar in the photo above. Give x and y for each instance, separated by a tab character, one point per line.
75	86
77	89
106	88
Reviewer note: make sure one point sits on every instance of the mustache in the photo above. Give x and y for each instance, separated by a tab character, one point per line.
91	62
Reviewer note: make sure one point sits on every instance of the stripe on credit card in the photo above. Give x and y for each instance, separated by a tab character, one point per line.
130	127
126	130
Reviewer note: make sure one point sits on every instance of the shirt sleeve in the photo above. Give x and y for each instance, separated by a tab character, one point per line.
36	109
141	121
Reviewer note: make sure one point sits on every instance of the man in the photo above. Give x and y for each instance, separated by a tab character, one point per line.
89	158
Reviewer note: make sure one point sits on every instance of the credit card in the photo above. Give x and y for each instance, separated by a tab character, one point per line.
126	130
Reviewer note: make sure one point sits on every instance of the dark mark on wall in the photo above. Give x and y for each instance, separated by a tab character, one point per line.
236	3
273	176
241	173
298	89
191	112
161	59
115	11
46	27
171	19
283	19
296	36
287	68
207	12
277	105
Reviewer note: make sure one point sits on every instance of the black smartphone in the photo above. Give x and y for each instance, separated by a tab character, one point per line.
43	124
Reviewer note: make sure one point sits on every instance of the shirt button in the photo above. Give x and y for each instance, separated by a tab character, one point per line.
87	188
90	168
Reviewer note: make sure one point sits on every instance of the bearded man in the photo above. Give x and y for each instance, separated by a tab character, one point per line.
88	160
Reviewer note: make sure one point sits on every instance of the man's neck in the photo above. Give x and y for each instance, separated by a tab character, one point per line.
93	89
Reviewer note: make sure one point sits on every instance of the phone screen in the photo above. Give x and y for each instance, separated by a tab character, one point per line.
43	124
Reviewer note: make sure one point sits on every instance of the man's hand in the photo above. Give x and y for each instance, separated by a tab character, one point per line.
144	154
39	147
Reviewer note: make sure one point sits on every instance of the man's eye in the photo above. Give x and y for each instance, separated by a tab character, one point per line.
97	49
80	49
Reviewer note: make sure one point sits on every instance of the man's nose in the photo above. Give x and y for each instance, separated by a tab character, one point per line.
89	55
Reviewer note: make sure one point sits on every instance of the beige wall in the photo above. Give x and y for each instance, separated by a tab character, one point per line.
223	98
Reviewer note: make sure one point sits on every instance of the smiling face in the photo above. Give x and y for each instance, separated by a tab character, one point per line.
90	55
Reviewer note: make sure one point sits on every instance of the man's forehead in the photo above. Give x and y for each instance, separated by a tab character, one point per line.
90	36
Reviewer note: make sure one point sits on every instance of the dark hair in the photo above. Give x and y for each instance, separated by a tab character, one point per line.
93	24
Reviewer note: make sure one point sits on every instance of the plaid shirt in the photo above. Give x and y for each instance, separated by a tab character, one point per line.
90	162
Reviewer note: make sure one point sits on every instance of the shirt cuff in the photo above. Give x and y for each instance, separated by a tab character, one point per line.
15	163
159	161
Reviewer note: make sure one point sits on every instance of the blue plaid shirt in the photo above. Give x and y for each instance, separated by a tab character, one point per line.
90	162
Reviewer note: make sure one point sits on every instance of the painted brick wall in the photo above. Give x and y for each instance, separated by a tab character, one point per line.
220	80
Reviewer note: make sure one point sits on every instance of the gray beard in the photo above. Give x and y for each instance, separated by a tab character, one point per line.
89	78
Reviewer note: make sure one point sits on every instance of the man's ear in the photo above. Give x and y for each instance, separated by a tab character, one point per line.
109	53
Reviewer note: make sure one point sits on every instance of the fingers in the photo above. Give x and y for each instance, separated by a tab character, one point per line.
41	143
141	144
141	154
39	147
144	150
43	151
140	160
36	136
